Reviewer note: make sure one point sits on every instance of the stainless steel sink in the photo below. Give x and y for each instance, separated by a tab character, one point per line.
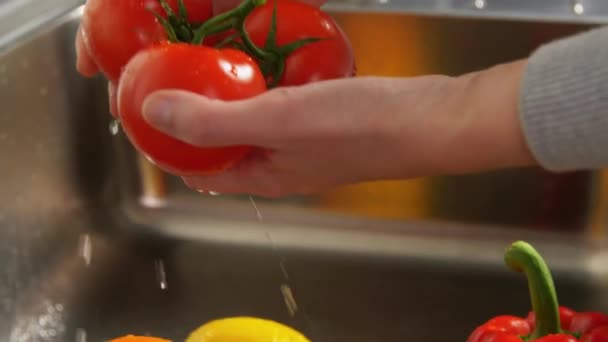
96	243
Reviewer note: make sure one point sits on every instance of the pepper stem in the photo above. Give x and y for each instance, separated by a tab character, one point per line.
522	257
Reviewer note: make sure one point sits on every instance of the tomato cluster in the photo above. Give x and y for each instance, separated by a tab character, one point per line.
146	45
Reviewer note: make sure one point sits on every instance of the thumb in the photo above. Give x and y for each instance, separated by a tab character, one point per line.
202	121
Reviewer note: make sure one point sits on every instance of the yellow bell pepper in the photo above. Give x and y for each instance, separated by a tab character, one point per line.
245	329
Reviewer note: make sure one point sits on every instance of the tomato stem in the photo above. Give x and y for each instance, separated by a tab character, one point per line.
272	57
263	55
225	21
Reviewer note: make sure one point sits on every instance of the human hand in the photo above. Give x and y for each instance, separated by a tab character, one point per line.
321	135
316	136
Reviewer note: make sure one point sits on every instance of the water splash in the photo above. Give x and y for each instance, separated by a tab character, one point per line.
85	249
46	326
161	274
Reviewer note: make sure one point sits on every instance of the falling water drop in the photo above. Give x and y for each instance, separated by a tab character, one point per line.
480	4
81	335
161	275
214	193
257	211
290	300
86	249
114	127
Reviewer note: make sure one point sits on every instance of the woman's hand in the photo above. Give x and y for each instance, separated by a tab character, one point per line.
338	132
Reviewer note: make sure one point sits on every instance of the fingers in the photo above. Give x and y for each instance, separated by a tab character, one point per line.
84	63
271	119
201	121
253	175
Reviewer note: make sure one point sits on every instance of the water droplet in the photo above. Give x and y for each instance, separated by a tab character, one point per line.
290	300
213	193
59	307
86	249
480	4
578	8
152	201
114	127
161	275
44	91
284	269
257	211
81	335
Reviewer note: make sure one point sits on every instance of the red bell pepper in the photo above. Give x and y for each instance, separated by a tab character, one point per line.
547	322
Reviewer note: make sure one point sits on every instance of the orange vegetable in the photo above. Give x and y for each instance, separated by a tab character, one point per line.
133	338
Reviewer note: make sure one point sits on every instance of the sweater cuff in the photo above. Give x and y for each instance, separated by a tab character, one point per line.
564	102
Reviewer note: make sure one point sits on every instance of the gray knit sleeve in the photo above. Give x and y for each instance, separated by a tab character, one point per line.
564	102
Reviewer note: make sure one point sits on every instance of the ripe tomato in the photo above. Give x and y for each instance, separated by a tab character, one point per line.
332	57
226	74
115	30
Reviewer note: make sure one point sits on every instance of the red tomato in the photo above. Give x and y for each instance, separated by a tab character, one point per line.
226	74
329	58
115	30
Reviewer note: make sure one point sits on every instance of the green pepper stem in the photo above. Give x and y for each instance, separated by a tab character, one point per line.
522	257
239	13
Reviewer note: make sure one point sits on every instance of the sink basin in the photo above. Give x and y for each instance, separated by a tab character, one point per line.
96	243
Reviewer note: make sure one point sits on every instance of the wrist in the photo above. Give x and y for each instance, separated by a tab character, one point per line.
492	136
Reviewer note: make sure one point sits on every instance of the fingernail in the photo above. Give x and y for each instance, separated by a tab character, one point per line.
157	112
